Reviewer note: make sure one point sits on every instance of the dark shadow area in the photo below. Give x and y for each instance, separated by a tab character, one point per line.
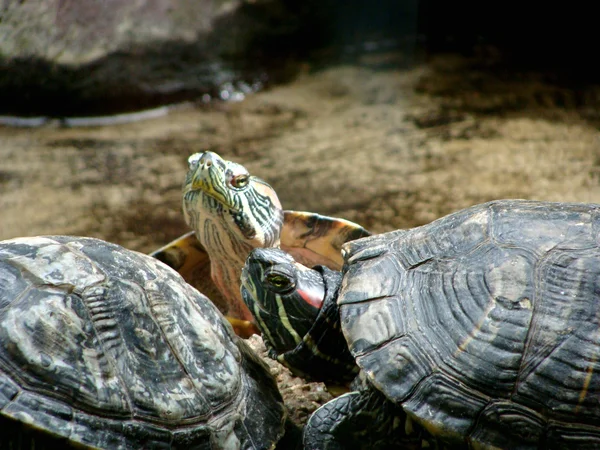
559	40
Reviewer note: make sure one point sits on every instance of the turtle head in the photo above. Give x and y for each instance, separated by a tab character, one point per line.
284	296
232	201
296	310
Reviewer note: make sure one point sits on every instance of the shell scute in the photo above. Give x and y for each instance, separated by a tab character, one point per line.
44	261
11	281
46	332
509	425
534	226
372	278
39	411
449	237
368	325
8	390
397	367
566	437
564	340
445	407
367	248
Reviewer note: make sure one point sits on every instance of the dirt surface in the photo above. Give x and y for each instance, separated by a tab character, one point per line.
388	149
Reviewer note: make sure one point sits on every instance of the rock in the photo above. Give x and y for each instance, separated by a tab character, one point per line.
75	57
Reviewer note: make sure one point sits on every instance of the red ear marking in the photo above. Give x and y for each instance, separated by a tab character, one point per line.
311	298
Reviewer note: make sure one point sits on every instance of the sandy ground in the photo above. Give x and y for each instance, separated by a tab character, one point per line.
388	149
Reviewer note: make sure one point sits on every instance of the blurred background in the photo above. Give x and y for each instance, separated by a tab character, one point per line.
388	113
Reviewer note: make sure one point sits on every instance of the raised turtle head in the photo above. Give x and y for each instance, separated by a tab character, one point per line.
244	206
295	308
231	212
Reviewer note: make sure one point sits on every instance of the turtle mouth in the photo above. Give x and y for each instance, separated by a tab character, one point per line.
212	195
207	176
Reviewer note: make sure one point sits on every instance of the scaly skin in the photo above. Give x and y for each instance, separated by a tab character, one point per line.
231	213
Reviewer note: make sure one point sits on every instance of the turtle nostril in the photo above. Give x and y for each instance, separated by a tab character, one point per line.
206	160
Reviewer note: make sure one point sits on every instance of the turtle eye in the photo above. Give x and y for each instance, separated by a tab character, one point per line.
279	283
240	181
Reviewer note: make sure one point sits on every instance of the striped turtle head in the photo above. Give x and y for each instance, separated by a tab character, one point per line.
231	212
284	296
220	196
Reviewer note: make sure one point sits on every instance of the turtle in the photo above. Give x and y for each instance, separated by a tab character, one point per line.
104	347
231	212
479	330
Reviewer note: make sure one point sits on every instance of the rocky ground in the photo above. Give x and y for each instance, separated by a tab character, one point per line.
385	148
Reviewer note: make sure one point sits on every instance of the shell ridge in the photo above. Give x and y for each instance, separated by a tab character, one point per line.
526	368
110	341
547	348
421	359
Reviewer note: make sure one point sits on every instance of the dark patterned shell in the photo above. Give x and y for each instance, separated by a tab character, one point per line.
112	349
484	324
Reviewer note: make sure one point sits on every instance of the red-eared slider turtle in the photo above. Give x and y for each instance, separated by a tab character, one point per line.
479	330
108	348
232	212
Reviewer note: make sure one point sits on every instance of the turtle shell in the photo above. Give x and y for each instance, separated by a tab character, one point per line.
484	325
109	348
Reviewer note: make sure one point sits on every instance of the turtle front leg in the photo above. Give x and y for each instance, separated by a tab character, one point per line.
362	419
